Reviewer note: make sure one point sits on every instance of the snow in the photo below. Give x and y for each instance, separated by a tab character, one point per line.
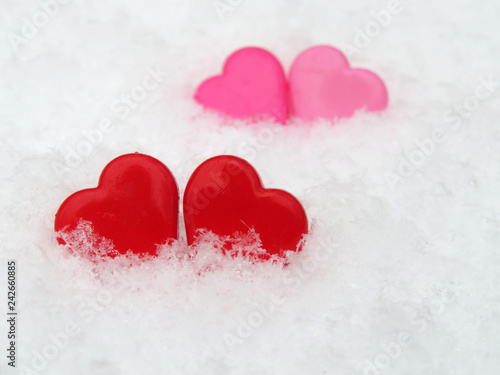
400	273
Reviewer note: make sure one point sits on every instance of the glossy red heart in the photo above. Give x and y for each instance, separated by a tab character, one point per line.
252	85
225	196
135	205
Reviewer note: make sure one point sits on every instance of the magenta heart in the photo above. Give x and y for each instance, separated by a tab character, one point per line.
322	85
252	85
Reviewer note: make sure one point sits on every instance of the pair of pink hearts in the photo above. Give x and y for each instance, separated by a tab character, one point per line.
321	84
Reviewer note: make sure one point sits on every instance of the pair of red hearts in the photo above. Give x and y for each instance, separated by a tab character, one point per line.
320	85
135	205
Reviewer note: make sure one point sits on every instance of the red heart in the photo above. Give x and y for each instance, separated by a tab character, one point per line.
225	196
135	205
252	85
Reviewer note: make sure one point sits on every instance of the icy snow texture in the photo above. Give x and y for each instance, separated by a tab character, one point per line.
413	264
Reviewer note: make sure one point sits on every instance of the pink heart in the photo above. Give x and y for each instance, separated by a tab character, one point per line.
322	85
252	85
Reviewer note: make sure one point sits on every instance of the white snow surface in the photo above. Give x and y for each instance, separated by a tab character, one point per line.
400	273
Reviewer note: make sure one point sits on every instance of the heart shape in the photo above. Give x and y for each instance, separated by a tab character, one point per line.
322	85
135	205
225	196
252	85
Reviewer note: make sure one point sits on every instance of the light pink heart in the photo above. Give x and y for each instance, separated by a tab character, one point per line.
322	85
252	85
